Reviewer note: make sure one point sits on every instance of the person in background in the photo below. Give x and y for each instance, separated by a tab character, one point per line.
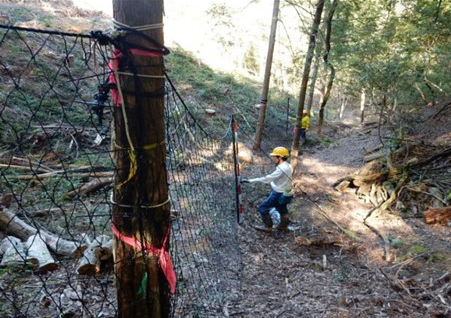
305	125
281	193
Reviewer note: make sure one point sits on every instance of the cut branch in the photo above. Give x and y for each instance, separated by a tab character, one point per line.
63	173
98	252
38	252
89	187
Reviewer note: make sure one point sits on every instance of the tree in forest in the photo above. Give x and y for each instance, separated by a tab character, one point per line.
393	54
305	77
265	89
328	65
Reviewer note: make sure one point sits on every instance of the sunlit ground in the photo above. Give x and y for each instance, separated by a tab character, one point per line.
105	6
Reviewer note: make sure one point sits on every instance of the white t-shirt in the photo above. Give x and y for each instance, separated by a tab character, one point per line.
280	178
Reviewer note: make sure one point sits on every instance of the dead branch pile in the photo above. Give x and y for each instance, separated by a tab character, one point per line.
414	180
434	295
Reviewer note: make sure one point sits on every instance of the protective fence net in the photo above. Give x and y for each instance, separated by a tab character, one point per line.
57	174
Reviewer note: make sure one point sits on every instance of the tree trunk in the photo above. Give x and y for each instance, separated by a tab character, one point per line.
321	110
305	77
362	106
311	90
141	212
328	65
266	80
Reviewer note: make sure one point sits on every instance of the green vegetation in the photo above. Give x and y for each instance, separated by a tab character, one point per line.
396	51
201	87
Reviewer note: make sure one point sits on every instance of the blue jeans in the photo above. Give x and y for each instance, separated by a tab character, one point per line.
303	134
272	201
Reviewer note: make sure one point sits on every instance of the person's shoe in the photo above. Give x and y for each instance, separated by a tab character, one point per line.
284	222
263	228
267	224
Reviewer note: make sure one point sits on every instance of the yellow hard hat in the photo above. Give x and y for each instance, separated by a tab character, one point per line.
280	152
305	112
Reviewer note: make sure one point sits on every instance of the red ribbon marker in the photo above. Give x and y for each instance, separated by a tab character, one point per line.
113	65
165	258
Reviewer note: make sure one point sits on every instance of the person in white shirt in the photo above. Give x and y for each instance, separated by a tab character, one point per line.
281	194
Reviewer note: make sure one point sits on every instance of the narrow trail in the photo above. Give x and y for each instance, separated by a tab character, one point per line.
316	271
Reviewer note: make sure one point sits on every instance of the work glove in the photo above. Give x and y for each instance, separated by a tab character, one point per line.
243	180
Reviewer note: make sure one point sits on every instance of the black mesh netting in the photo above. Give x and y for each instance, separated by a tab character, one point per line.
56	179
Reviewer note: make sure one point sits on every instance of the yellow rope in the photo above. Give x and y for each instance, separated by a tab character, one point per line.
133	162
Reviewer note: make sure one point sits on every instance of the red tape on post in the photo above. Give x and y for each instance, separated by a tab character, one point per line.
113	65
165	258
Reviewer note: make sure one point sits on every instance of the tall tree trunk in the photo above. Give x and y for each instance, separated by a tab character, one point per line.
362	106
314	75
266	80
328	65
305	76
141	214
321	110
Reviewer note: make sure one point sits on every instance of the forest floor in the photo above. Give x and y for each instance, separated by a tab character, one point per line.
319	271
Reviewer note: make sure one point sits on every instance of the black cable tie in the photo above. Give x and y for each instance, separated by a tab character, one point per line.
161	49
101	37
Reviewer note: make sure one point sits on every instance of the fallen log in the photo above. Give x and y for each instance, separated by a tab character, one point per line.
38	254
343	185
373	156
88	187
13	225
5	167
25	162
438	215
43	212
371	150
360	180
370	168
15	254
63	173
98	252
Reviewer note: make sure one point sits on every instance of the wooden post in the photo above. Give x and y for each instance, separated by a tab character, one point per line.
265	89
140	203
